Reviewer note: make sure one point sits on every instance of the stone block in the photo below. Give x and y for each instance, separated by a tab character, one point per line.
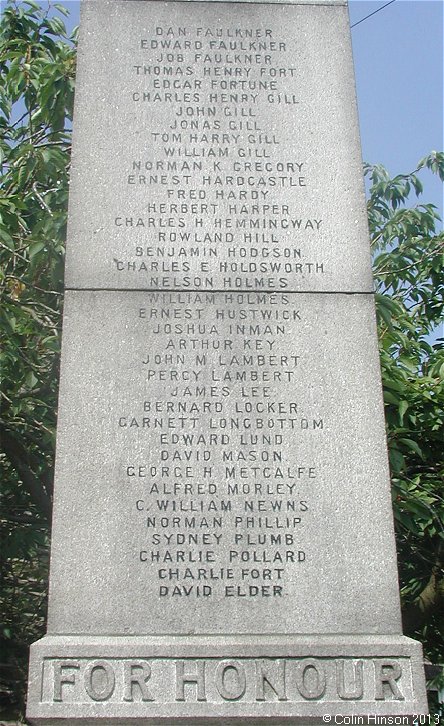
227	154
223	547
221	467
255	680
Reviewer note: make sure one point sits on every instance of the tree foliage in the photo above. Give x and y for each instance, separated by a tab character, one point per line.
37	67
37	63
408	253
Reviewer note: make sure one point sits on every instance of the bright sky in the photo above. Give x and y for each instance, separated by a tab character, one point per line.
398	56
399	78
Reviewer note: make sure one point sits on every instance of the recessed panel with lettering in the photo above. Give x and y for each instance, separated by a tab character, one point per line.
226	481
230	154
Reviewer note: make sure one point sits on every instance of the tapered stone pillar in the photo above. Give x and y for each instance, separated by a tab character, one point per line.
223	546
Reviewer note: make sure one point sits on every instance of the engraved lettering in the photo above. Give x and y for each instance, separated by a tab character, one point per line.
61	677
100	680
311	679
387	673
350	687
136	675
231	681
270	678
197	679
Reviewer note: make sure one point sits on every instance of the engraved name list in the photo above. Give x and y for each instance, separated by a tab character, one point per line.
222	539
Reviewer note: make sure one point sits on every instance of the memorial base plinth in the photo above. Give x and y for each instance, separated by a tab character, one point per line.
188	679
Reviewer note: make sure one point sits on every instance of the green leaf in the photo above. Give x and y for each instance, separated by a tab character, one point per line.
6	238
396	459
31	380
57	26
390	398
61	9
35	248
403	406
410	444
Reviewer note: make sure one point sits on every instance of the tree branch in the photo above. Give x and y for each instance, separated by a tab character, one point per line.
430	601
21	461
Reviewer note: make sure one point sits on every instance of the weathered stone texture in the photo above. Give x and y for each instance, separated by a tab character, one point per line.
223	547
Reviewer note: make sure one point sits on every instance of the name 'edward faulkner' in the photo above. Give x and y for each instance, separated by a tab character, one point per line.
247	45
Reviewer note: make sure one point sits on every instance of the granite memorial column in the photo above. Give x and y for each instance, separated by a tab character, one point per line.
223	544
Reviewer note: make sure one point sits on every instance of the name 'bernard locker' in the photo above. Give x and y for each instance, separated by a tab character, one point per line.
218	383
256	544
221	504
220	508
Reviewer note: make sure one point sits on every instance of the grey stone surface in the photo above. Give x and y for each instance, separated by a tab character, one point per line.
223	547
297	125
237	2
213	680
262	404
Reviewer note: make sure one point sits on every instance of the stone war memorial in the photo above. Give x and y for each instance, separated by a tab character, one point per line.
223	548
